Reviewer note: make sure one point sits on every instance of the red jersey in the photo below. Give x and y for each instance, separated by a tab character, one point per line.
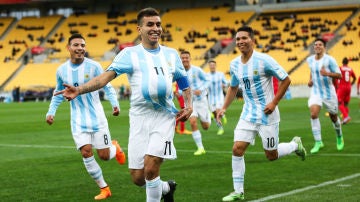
347	73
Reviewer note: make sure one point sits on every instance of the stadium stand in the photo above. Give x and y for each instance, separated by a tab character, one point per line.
206	31
348	45
210	25
102	34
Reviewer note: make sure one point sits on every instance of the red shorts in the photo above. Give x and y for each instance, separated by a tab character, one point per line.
343	94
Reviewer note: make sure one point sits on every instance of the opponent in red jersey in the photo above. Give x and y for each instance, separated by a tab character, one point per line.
344	89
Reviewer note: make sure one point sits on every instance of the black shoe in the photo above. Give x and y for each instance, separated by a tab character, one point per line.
169	197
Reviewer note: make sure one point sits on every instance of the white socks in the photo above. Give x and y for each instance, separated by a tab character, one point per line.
238	173
94	171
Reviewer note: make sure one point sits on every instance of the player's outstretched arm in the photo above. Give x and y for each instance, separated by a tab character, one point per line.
70	92
184	114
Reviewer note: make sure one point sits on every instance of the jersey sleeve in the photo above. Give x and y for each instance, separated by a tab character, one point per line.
333	65
122	63
273	68
108	88
233	79
56	100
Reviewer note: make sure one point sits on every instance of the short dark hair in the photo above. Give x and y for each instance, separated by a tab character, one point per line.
345	61
322	41
247	29
146	12
75	36
185	52
212	61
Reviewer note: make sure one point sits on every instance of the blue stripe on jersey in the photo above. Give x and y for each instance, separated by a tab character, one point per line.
161	82
92	111
246	82
259	89
145	80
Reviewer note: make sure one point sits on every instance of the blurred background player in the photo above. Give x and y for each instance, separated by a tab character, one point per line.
89	125
323	70
199	84
344	89
216	93
181	124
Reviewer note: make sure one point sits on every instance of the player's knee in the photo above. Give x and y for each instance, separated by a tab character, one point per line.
104	156
206	126
137	177
237	151
314	116
271	156
86	151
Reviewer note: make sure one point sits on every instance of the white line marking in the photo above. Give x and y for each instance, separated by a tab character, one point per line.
307	188
179	150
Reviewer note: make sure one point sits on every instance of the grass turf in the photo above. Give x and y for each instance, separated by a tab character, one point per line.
40	163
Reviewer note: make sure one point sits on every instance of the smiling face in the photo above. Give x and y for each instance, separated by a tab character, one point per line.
244	42
319	48
150	31
212	66
77	50
185	59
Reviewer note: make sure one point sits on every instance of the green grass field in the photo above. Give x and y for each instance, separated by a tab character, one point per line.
39	162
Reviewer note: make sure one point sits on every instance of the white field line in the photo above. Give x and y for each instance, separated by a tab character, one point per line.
307	188
179	150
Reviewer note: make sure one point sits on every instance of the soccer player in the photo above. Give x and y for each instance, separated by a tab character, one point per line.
344	89
199	83
180	98
151	70
89	125
323	70
216	93
253	72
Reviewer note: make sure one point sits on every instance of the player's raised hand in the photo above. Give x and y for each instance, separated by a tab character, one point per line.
69	93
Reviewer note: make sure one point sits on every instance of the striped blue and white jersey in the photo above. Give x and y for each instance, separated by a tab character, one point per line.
87	113
323	85
255	80
217	82
198	80
151	75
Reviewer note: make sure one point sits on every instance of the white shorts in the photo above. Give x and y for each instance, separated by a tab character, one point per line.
201	110
330	105
246	132
98	140
151	134
214	107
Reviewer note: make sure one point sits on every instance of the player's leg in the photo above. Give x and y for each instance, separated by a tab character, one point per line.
107	149
346	118
160	147
273	149
315	104
196	134
244	134
84	143
333	111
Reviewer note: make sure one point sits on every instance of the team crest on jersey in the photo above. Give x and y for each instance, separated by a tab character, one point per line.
256	72
87	76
